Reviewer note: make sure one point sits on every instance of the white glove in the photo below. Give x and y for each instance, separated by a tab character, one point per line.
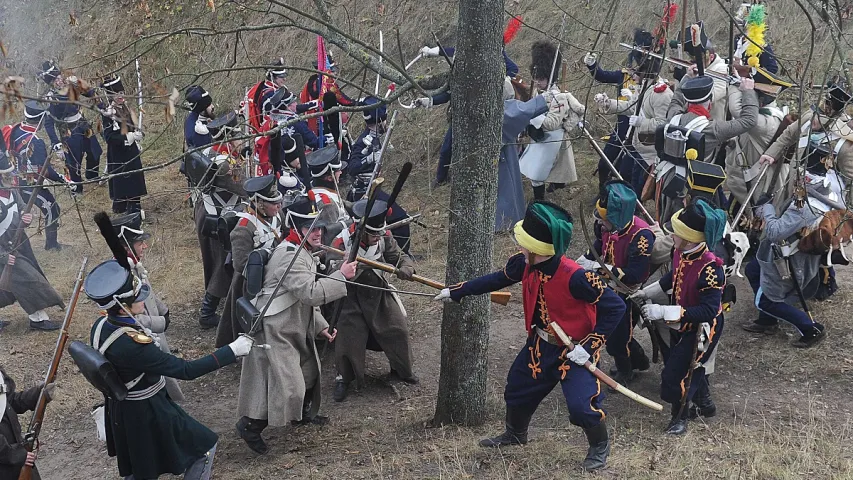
633	120
667	313
133	137
72	80
344	132
578	355
590	59
651	291
586	263
57	147
201	128
242	346
424	102
444	296
600	98
329	139
430	51
626	92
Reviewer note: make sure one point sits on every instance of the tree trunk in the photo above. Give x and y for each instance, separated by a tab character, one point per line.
476	85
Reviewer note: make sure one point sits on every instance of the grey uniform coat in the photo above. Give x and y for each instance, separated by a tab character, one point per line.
377	315
652	113
274	382
154	319
717	132
217	276
805	266
742	158
511	203
12	451
243	241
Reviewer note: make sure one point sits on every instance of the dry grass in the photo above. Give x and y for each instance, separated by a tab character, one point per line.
783	414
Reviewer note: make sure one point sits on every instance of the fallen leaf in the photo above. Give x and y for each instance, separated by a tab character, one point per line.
3	49
212	5
72	19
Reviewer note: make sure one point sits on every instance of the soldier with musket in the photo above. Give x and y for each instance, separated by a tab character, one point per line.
30	288
373	319
625	245
259	226
693	314
281	385
13	453
556	289
196	131
122	136
216	174
75	132
148	433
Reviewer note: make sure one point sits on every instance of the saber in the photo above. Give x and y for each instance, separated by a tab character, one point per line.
554	63
501	298
567	341
381	58
627	290
139	94
761	87
612	168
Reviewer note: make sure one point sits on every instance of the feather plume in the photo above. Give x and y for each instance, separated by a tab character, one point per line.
105	226
512	29
666	19
755	27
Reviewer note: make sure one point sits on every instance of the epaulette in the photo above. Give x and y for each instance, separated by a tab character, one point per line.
140	337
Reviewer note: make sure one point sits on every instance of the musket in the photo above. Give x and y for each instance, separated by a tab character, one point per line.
612	168
400	223
761	87
377	166
32	435
567	341
139	94
557	53
19	233
626	290
501	298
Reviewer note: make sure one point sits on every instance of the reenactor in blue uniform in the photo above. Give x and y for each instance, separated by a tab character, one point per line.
196	133
692	315
74	131
30	154
555	289
625	245
122	136
148	433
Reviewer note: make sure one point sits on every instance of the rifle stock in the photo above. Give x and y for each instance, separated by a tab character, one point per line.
501	298
32	434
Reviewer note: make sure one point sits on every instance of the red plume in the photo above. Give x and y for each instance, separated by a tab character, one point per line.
668	16
512	29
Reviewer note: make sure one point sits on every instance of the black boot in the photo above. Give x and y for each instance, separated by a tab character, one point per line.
539	192
207	315
811	338
599	447
624	371
639	359
307	419
250	431
341	390
517	421
678	423
703	405
50	242
553	187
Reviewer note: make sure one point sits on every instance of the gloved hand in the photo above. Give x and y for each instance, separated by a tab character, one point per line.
134	136
578	355
648	292
764	199
601	98
405	273
328	139
633	120
423	102
73	80
242	346
344	132
367	140
48	390
444	296
626	92
590	59
586	263
668	313
56	147
430	51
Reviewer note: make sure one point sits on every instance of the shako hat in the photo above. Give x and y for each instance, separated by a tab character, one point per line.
324	161
112	84
198	98
698	222
33	111
542	55
277	69
545	230
222	125
49	72
374	115
262	188
697	89
303	211
128	226
617	204
376	219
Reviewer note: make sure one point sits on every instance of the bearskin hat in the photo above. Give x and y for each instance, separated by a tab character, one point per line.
542	60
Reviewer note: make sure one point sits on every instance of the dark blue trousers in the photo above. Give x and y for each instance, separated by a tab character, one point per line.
620	338
770	312
444	155
79	145
539	367
678	359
